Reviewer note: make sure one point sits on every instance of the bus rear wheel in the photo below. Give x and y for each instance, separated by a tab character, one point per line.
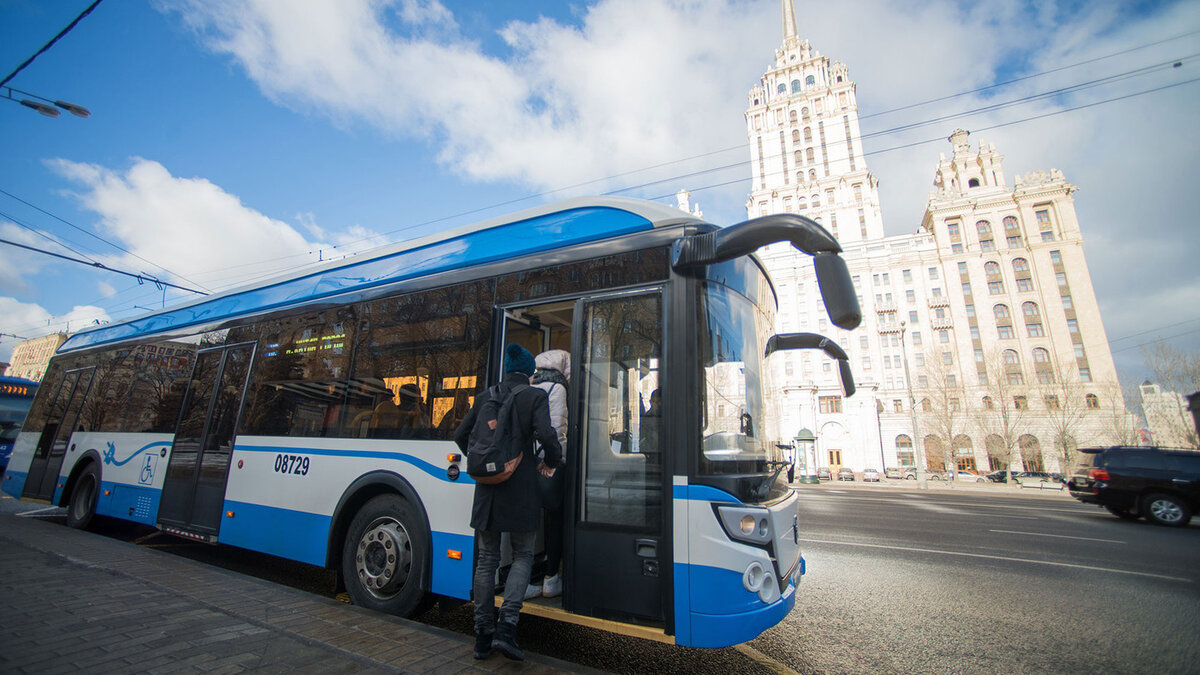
385	555
82	507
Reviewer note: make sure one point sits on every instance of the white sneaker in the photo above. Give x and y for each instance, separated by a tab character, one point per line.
552	586
532	591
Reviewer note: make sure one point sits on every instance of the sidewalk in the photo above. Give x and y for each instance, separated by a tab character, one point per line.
72	600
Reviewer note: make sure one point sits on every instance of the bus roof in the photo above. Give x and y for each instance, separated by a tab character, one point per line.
544	228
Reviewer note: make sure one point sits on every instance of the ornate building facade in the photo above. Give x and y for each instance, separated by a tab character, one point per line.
30	358
987	309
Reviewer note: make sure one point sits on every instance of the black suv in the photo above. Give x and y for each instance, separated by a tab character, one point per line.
1162	485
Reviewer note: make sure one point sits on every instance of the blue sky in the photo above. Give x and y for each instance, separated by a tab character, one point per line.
230	140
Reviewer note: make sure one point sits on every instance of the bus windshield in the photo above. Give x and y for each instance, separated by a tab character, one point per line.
739	429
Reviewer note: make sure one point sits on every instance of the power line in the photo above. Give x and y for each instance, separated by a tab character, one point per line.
93	235
1153	330
139	277
1150	342
50	44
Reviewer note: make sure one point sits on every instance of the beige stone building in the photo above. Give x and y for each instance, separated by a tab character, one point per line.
30	358
988	306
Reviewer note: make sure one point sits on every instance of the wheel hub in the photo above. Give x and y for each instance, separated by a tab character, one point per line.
1165	511
383	558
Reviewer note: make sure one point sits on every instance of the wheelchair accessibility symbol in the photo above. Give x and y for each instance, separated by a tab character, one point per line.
147	475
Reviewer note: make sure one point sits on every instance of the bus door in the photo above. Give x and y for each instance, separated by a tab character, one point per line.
617	555
60	422
194	488
525	331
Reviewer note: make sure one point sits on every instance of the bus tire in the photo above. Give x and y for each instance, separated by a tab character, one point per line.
81	509
385	555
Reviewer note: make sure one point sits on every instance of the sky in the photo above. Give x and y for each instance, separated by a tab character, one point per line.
231	140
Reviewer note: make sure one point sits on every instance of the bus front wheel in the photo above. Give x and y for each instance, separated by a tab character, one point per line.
385	555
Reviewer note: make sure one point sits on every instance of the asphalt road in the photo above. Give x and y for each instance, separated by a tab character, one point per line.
907	581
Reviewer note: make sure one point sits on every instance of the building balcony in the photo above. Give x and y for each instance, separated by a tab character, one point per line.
890	328
939	301
885	307
941	324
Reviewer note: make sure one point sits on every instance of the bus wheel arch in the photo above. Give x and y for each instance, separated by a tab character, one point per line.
81	494
380	518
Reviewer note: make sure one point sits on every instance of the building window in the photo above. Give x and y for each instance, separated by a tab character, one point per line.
970	310
1001	313
933	273
1040	355
919	357
1011	358
795	87
1016	378
1020	403
922	381
907	274
912	317
830	404
1034	330
995	288
904	450
948	358
1056	257
910	296
897	405
926	406
1052	402
782	88
1092	402
1020	266
1024	285
956	248
973	182
952	228
988	403
1085	374
792	116
1044	225
810	80
955	405
943	336
991	268
1004	332
916	337
987	245
1014	241
1067	304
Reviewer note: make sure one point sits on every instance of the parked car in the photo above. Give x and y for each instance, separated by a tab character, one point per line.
1130	482
968	476
823	474
893	472
845	474
910	473
871	475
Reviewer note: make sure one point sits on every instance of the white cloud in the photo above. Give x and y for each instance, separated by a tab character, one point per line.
641	82
190	226
17	265
30	320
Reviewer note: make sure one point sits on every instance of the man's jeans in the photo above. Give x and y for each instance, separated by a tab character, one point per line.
485	578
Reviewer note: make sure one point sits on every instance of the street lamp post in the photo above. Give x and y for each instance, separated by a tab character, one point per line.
912	411
45	106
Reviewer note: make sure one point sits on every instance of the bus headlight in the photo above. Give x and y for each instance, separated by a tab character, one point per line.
748	524
752	579
770	588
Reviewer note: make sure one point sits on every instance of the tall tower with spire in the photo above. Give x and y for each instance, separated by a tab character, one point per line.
805	145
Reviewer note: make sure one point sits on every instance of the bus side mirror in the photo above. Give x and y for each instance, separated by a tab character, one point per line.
786	341
837	290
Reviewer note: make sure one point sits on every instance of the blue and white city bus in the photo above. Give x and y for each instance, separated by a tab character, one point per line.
311	416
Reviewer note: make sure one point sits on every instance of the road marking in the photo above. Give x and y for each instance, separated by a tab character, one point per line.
999	557
1060	536
764	660
895	500
37	511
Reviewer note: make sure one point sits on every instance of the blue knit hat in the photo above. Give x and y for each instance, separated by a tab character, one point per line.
517	359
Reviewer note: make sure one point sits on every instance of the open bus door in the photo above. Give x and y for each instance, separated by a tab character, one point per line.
617	559
193	493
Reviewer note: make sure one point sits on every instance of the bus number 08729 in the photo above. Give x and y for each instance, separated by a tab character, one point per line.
294	464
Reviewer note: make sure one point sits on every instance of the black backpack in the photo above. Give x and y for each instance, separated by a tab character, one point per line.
491	454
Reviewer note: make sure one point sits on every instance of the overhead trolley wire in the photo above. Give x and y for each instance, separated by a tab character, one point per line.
50	44
102	266
93	235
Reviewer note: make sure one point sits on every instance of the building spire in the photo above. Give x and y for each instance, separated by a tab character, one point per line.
789	21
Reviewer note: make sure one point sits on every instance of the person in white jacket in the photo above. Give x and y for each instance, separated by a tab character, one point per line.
552	374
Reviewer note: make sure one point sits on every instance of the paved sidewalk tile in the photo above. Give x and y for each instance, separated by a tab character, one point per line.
73	601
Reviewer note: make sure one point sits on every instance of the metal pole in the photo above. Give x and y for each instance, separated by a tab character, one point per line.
912	411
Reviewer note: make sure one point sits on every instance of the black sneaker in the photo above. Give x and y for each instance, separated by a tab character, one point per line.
483	645
506	642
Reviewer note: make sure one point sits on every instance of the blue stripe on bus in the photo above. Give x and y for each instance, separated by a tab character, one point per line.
722	630
14	482
296	535
129	502
431	469
542	233
452	577
703	493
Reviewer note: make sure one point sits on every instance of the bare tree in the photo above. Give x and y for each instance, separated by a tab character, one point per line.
945	416
1178	374
1003	410
1066	406
1120	424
